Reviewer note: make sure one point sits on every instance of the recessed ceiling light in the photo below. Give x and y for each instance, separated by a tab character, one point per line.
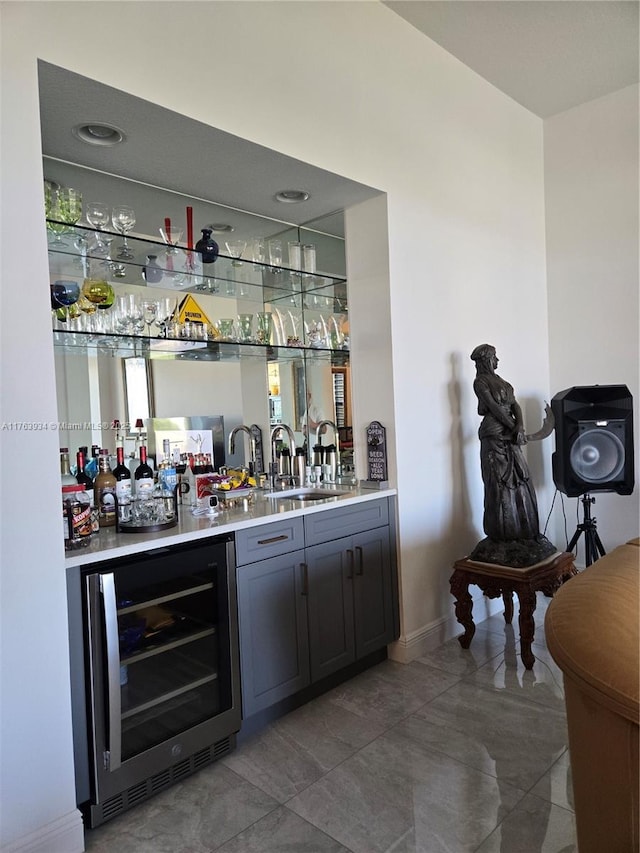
221	227
292	196
98	133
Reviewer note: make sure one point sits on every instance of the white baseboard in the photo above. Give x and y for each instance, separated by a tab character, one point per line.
429	637
63	835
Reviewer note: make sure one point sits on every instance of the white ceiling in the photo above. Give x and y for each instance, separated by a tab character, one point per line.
548	55
193	160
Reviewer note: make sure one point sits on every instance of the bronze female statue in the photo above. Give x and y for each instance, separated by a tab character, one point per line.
510	507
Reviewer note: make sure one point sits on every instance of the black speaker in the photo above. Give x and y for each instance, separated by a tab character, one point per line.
594	440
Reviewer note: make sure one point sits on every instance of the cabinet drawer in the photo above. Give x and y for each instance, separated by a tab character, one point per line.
269	540
333	523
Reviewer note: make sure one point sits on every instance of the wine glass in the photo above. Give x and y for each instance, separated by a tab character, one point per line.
149	312
100	293
66	208
98	215
63	295
235	248
171	236
123	218
165	308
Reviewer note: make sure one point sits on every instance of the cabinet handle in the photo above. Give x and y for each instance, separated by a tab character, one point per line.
280	538
305	578
360	570
350	569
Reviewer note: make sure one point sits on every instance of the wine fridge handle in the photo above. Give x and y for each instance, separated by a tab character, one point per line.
108	590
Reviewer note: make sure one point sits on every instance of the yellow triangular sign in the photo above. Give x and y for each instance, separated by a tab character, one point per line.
189	311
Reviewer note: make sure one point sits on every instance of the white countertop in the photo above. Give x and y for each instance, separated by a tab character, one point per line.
261	510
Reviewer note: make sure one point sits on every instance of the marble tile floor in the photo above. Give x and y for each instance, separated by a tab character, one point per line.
456	752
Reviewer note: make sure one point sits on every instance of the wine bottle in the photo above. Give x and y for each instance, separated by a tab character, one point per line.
143	476
65	471
123	486
104	487
85	480
119	436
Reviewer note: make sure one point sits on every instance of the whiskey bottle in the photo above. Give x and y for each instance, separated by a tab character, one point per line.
104	487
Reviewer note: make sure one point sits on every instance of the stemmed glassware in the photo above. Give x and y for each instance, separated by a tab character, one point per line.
123	218
149	312
235	249
165	308
99	292
64	206
98	216
64	294
171	237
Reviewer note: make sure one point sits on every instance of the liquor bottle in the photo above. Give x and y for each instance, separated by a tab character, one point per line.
123	486
65	471
91	465
104	488
143	476
119	436
86	481
167	475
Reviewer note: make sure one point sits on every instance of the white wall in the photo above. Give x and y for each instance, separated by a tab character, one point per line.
461	166
591	182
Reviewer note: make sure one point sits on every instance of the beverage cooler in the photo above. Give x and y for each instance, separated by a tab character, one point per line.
155	672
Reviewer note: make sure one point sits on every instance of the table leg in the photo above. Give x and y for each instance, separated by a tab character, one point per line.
507	597
527	599
463	606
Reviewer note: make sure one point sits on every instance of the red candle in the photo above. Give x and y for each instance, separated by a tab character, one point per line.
167	228
190	227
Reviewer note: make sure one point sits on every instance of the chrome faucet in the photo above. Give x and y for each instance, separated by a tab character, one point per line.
252	445
322	427
273	468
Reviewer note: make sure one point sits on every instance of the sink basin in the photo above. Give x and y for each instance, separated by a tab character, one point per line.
305	494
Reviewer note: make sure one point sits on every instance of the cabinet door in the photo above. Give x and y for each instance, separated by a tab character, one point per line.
274	645
330	581
372	590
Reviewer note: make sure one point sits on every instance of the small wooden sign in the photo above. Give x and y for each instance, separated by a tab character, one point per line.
377	451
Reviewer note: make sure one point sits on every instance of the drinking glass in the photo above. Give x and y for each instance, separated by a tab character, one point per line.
258	250
149	312
135	314
164	312
275	254
99	292
65	206
64	294
265	326
295	255
309	258
226	329
123	218
235	248
174	257
98	215
245	328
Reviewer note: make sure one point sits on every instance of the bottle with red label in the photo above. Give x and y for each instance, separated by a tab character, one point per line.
76	517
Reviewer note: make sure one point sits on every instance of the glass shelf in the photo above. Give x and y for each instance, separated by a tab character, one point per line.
130	346
177	268
308	311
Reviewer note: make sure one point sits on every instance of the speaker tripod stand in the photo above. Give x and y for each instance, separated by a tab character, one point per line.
593	547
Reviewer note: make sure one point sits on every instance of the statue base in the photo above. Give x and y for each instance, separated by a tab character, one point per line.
517	553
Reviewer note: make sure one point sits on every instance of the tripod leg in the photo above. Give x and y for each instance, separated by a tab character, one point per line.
574	540
599	544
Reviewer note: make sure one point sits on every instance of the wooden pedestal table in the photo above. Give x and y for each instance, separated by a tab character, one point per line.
496	580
